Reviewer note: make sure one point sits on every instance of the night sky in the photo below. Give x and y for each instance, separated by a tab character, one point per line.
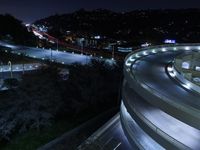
31	10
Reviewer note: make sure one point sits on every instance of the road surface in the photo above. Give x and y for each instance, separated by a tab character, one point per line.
165	109
48	54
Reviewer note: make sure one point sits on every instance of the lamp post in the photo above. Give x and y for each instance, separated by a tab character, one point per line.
2	69
57	44
10	64
23	55
113	52
51	54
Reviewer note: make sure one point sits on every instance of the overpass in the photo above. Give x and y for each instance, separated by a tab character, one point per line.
159	109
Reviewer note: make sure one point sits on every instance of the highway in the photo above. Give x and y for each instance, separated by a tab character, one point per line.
158	111
166	110
113	138
44	54
164	122
151	71
110	137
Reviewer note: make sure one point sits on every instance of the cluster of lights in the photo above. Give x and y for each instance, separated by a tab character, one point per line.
135	56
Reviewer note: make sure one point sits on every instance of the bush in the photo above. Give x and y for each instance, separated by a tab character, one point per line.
33	105
93	87
11	82
42	97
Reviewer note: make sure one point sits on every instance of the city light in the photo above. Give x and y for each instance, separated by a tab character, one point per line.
169	41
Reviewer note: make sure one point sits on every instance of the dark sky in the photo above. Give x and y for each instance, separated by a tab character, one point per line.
30	10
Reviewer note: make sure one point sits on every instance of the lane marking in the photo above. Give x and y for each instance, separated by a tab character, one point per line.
117	146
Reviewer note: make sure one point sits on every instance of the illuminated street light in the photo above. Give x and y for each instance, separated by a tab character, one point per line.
164	50
132	59
128	64
187	48
137	56
153	51
144	53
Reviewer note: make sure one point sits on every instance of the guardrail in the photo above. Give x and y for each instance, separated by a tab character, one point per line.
124	116
189	84
20	67
133	57
159	131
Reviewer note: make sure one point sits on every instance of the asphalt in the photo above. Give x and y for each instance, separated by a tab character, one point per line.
55	55
111	136
150	70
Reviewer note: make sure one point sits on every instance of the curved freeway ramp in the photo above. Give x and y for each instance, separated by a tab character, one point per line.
158	111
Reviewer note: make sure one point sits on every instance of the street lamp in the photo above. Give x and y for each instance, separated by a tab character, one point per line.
113	52
23	55
2	69
57	44
51	54
10	64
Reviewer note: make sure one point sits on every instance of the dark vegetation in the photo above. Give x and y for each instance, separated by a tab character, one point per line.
43	100
11	82
12	30
15	59
136	26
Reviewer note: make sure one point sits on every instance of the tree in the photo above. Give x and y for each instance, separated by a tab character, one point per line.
33	105
13	30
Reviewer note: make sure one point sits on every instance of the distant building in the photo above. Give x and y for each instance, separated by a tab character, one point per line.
124	49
